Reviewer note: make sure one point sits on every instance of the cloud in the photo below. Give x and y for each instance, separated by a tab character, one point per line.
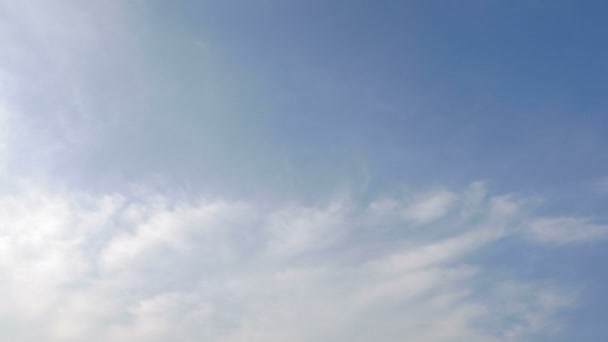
429	207
118	267
296	230
565	230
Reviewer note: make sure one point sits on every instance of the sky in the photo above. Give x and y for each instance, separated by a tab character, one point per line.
289	170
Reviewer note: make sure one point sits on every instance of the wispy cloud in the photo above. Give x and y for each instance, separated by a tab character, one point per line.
429	207
115	268
564	230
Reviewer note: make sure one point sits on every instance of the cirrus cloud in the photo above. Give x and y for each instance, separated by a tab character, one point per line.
118	268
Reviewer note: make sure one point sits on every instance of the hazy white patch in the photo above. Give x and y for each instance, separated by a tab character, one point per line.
439	252
414	283
429	207
562	230
601	186
505	206
169	227
532	309
384	207
473	199
295	230
4	113
56	56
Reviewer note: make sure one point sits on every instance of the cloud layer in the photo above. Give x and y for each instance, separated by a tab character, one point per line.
123	268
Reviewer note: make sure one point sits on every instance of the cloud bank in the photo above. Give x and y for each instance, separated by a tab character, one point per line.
125	268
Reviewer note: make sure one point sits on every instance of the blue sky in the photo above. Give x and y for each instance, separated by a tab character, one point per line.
292	170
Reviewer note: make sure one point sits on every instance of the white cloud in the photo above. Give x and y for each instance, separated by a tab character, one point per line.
429	207
563	230
113	268
447	250
296	230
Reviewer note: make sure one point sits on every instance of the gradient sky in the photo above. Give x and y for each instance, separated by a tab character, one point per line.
289	170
